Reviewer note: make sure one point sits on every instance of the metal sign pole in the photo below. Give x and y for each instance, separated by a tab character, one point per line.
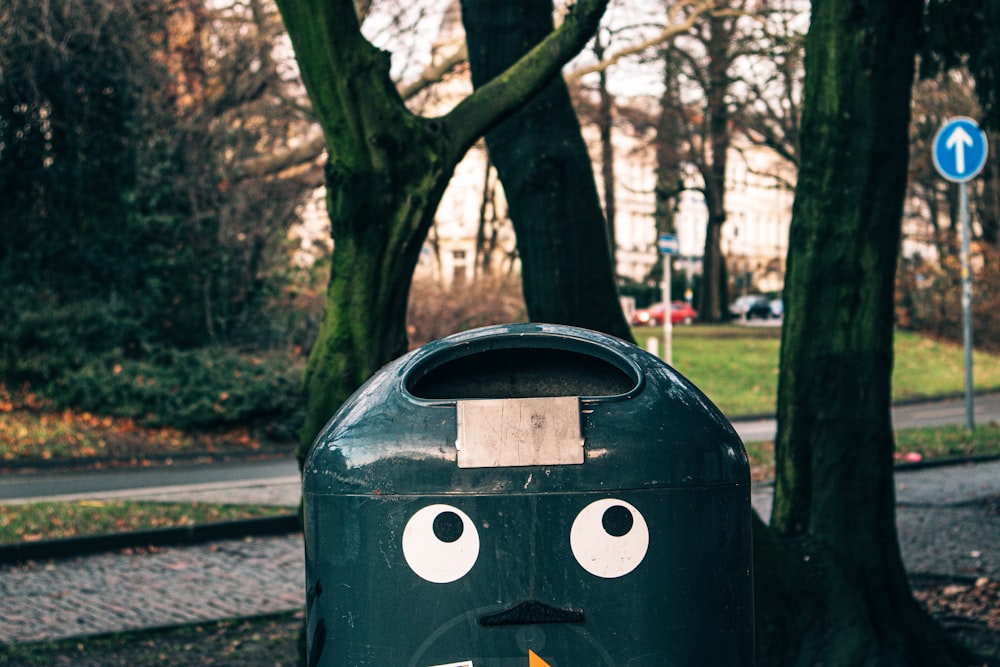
668	346
667	245
959	153
970	421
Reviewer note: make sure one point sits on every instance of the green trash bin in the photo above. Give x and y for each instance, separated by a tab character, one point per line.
528	495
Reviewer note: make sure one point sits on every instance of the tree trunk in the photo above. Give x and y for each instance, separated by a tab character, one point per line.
605	121
833	524
989	202
566	266
364	322
384	182
714	294
669	175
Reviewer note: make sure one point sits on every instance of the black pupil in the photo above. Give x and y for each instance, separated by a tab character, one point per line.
448	526
617	520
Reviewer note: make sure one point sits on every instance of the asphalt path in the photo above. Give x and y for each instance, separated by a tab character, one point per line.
986	409
124	481
217	476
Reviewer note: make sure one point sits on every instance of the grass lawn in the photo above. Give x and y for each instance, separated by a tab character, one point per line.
912	445
30	522
737	366
271	641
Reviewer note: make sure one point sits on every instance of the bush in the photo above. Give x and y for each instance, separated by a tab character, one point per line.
929	298
195	389
436	311
41	338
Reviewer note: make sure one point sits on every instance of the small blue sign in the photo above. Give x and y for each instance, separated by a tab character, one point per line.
960	150
668	244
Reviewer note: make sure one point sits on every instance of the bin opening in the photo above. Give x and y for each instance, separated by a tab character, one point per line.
521	373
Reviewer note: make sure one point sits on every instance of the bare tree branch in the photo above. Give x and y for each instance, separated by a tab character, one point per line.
492	102
312	149
434	72
677	23
271	164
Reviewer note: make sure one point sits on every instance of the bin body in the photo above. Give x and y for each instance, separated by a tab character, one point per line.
528	495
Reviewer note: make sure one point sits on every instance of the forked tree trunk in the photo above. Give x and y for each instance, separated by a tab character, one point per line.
378	240
832	554
386	173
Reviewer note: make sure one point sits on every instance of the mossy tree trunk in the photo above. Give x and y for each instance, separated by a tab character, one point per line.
832	552
386	173
567	266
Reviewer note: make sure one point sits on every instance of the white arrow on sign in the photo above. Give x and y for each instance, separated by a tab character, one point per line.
957	142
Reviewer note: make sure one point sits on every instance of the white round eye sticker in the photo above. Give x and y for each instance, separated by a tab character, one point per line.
609	538
440	543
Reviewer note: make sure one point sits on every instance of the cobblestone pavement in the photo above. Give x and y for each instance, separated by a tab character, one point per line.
947	518
163	587
948	524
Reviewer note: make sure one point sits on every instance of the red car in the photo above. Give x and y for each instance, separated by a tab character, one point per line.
681	312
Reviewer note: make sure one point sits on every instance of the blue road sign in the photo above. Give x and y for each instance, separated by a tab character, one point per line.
960	150
668	244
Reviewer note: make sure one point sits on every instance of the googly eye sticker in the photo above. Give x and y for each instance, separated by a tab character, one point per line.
440	543
609	538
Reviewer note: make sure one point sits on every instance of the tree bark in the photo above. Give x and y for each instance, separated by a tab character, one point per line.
833	521
567	270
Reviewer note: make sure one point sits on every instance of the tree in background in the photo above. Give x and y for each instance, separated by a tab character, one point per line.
121	129
71	105
140	264
567	265
386	172
960	33
832	552
709	151
769	101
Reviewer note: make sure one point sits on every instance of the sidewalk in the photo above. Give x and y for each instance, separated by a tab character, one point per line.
948	525
162	587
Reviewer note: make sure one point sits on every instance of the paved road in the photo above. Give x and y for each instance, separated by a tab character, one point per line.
166	480
916	415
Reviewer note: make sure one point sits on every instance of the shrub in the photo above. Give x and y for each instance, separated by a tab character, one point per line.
41	338
194	389
436	311
929	298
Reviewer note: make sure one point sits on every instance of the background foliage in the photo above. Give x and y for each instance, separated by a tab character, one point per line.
132	246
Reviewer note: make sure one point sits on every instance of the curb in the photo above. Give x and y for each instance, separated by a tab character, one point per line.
151	630
110	462
181	535
901	403
904	466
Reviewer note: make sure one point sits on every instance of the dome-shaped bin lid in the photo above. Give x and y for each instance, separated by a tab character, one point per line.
524	408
